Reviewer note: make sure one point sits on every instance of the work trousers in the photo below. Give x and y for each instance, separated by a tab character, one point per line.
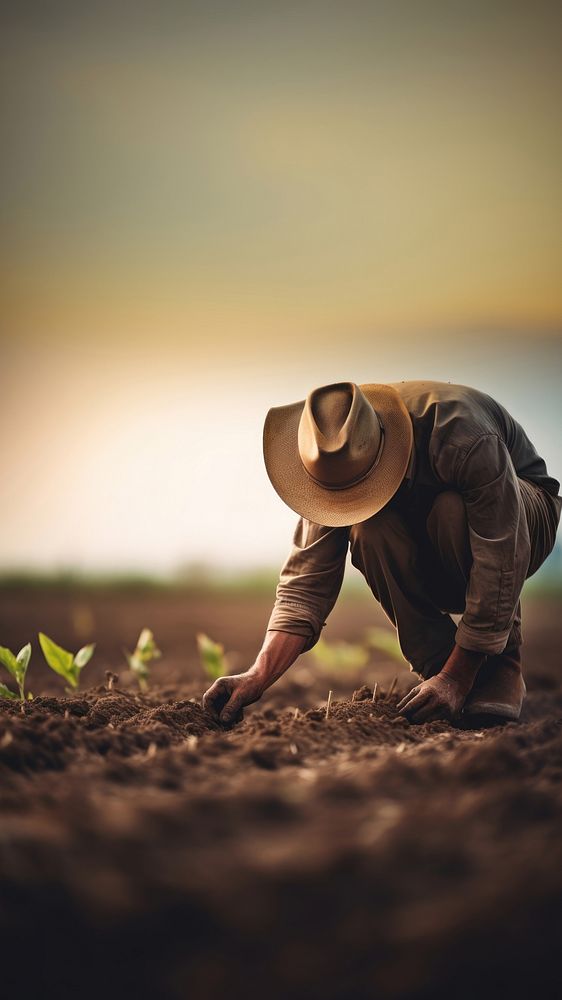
420	577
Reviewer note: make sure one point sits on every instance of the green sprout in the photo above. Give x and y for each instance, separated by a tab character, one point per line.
146	650
212	657
17	667
335	656
68	665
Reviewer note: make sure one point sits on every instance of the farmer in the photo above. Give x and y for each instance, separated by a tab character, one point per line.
446	507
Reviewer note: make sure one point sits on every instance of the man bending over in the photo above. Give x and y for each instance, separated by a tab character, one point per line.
446	507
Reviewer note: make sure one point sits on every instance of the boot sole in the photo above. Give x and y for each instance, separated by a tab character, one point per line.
498	711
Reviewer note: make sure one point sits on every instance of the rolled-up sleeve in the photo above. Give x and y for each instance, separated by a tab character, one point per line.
499	540
310	580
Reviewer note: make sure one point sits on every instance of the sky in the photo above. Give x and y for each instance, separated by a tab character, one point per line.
209	209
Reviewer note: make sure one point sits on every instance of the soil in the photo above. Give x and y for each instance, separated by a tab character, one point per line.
145	851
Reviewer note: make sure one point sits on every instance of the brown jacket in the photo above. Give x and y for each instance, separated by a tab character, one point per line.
463	440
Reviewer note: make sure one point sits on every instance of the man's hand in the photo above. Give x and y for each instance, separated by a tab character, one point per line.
226	698
443	696
439	697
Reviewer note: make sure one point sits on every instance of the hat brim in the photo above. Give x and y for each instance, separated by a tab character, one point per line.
338	508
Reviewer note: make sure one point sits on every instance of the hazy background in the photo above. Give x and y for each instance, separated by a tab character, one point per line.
208	209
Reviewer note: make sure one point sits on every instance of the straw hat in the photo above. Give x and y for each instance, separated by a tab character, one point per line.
338	456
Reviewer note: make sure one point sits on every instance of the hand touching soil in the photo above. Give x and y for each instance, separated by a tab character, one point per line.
226	698
437	698
443	696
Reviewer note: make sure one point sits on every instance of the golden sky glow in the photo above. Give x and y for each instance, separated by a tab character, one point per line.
385	164
204	196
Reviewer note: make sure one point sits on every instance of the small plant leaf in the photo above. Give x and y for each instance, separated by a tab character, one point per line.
17	666
212	656
59	659
84	655
146	644
145	651
6	693
8	660
24	657
140	671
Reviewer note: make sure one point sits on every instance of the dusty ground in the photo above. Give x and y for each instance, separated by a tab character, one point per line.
144	852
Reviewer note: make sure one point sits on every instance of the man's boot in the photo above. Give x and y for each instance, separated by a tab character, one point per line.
499	689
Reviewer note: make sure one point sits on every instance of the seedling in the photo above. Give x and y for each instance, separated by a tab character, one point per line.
146	650
17	667
68	665
212	656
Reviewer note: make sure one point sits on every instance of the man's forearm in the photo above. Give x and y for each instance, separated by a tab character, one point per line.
278	653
